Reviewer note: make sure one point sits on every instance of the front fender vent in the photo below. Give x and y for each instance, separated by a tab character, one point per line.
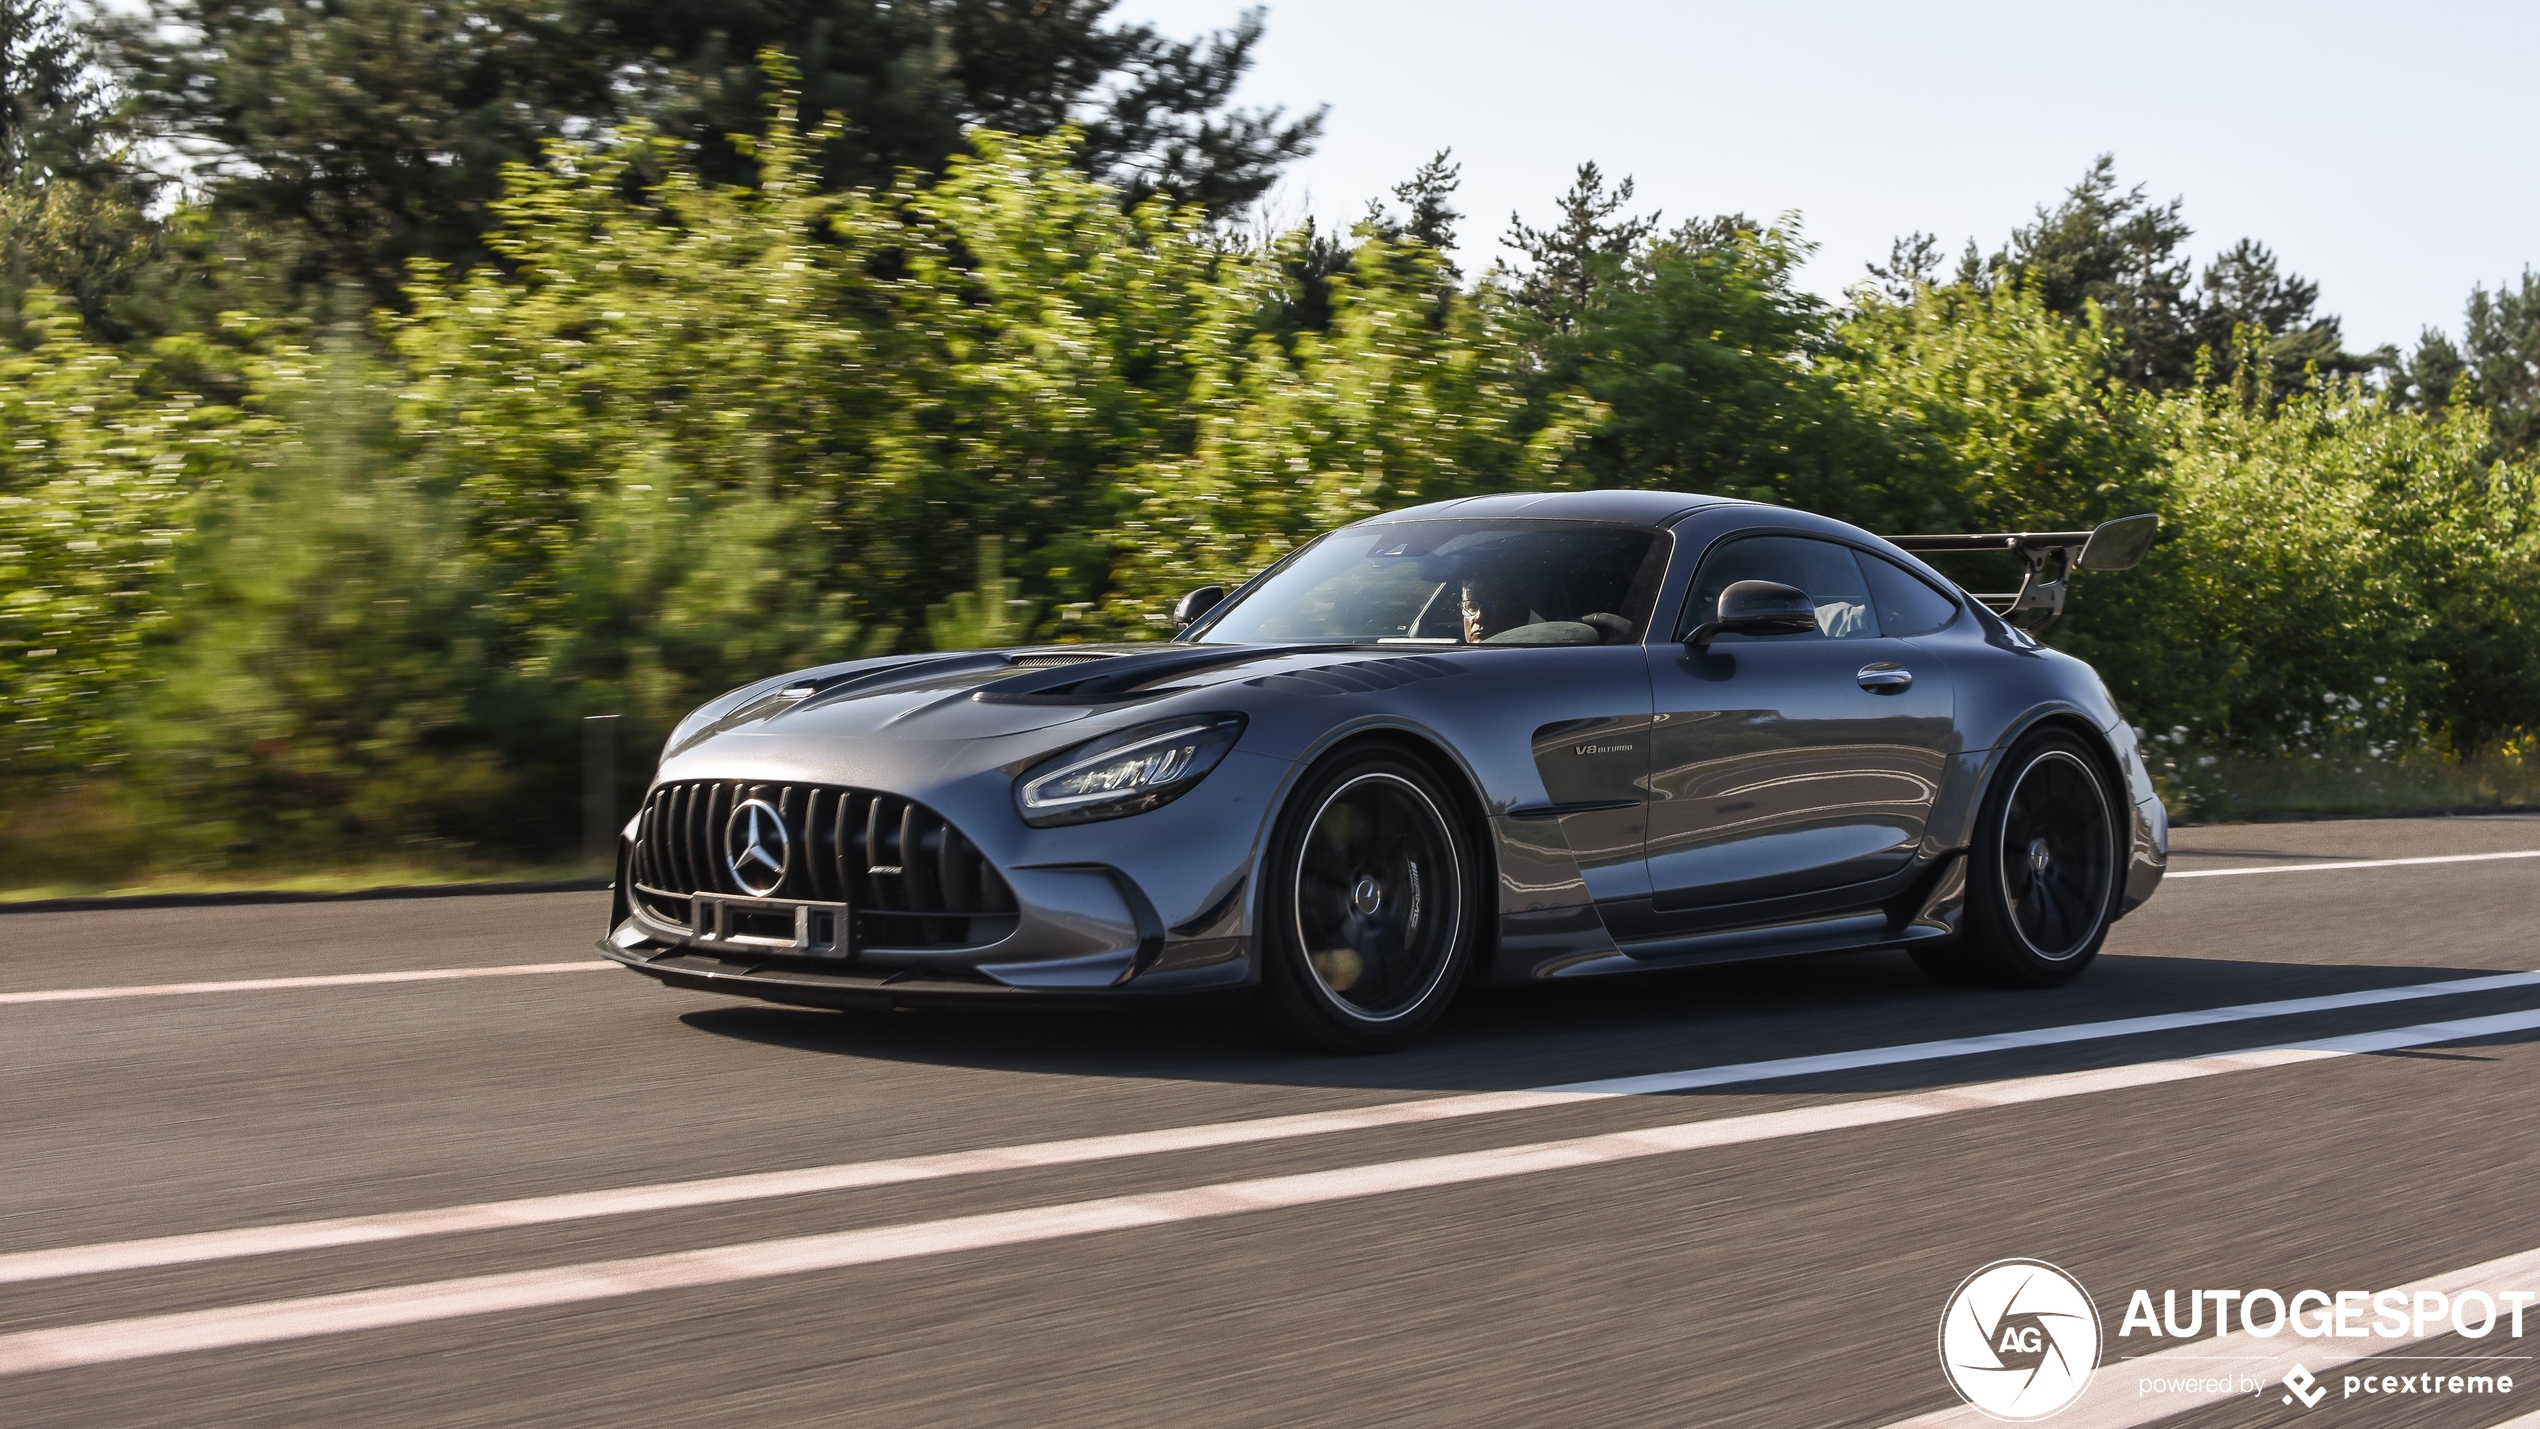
911	879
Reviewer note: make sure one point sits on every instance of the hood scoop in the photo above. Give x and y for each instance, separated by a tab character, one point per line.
1125	677
1363	677
956	669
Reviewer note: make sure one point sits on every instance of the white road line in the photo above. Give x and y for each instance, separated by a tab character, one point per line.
145	1336
96	1259
272	984
2115	1398
2041	1037
2358	863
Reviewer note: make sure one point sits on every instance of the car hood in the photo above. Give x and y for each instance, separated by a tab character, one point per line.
977	695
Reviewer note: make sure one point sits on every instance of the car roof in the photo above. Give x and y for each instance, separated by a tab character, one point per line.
1639	508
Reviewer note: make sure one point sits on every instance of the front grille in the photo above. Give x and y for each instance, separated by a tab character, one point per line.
910	879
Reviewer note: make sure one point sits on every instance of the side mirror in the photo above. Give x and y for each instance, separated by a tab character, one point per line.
1196	604
1758	608
2117	545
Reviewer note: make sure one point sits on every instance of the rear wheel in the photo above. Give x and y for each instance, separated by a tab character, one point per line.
1373	905
2042	878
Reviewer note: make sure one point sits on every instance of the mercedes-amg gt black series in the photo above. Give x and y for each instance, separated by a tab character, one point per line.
1495	740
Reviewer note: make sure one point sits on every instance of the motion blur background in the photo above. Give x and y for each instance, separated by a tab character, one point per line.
387	386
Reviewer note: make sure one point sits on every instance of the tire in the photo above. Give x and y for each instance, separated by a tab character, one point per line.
2044	873
1373	905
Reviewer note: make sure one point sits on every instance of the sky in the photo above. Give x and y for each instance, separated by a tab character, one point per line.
2391	153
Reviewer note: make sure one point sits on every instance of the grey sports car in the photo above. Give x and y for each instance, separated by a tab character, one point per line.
1495	740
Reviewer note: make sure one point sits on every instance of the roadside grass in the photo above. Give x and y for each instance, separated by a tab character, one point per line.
2247	788
94	841
344	878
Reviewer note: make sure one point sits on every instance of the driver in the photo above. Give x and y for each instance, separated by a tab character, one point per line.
1492	604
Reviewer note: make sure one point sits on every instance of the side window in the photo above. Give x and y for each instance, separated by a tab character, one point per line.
1823	569
1906	603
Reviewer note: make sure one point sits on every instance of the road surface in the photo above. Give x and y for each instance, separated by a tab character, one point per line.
478	1197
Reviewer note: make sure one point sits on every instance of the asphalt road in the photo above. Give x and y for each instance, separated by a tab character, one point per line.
1793	1274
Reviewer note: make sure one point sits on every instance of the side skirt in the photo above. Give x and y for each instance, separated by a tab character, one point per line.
1924	905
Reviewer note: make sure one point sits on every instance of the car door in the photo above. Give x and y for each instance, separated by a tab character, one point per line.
1801	763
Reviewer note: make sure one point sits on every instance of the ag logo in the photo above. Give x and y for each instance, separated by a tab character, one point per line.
2019	1340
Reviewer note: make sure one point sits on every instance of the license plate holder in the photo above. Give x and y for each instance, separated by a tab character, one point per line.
781	925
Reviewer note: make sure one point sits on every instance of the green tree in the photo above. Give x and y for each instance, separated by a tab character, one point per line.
382	127
2119	251
1592	236
2335	573
348	670
73	212
89	244
2342	568
99	477
986	616
2496	366
1402	400
56	117
1705	361
378	127
1992	413
1428	214
2244	288
321	683
1154	114
2116	250
1702	358
1311	258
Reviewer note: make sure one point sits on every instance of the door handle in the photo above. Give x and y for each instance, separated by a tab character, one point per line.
1885	679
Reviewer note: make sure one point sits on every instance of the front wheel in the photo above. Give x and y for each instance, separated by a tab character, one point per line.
1372	905
2043	876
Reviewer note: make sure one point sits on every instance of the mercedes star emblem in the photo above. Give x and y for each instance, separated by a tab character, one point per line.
756	847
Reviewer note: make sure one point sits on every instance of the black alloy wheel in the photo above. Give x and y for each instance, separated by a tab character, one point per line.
1372	919
2045	873
2057	850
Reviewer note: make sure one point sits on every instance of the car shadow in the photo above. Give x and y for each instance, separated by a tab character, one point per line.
1502	1038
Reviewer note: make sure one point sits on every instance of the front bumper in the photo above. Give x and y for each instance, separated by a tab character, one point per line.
804	983
2148	854
1139	907
1082	926
1079	934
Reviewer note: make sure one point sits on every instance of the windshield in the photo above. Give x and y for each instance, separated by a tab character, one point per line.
1456	583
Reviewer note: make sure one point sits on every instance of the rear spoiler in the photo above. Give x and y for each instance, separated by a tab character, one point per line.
2051	558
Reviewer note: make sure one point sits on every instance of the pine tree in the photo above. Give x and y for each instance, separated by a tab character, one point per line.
73	211
381	127
987	616
2121	251
55	119
2504	359
2116	249
1585	246
1427	198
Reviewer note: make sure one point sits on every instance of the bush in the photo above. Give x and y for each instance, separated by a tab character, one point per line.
683	435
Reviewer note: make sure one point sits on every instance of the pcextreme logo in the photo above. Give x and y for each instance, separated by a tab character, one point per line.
2019	1340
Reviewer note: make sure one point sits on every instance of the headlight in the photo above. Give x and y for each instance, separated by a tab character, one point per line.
1126	773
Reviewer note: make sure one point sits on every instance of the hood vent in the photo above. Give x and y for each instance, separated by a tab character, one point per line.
1359	677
